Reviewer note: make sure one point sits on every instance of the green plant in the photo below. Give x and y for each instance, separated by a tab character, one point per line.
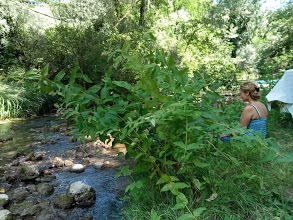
170	125
18	100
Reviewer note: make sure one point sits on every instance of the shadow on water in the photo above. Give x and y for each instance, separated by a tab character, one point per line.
25	135
21	135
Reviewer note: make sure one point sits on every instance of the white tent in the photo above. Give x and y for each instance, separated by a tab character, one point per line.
283	91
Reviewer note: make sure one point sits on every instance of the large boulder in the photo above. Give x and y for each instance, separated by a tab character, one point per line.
83	194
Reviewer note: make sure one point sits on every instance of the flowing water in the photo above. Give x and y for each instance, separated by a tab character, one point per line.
25	132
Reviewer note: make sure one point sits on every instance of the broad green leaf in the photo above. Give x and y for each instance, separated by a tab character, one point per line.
194	146
171	61
168	162
130	187
180	185
125	48
153	122
59	76
138	184
104	93
154	216
198	163
197	183
167	187
234	160
125	171
150	159
180	144
174	178
86	78
31	75
198	211
268	157
285	158
44	71
139	155
186	217
117	61
178	206
164	179
181	198
94	89
123	84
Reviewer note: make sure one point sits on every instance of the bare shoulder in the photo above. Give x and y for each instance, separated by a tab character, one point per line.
248	108
263	109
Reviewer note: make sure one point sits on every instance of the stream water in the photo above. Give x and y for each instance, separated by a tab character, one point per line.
25	138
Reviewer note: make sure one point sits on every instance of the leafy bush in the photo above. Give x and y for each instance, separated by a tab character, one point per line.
170	124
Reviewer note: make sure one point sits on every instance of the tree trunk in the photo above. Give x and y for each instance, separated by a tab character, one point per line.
142	11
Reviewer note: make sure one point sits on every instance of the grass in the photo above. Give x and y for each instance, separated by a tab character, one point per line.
19	101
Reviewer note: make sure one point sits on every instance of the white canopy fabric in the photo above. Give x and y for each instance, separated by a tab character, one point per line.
283	91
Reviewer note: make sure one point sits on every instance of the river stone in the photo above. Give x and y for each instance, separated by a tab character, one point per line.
98	165
5	215
77	168
29	172
45	189
63	201
32	188
68	163
26	209
58	162
112	164
20	194
38	156
84	195
4	199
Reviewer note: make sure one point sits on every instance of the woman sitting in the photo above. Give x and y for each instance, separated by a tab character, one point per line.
254	115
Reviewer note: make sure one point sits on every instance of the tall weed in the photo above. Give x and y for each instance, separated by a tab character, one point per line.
19	101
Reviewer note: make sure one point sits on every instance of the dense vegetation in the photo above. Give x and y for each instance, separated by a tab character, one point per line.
150	73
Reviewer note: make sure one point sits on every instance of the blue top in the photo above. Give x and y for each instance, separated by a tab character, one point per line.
259	124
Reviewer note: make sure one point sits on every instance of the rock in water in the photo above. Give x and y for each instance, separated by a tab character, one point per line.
84	195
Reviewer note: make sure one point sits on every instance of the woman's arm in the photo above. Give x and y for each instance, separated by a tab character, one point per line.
246	116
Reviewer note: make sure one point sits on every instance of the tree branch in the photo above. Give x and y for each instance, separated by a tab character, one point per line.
127	13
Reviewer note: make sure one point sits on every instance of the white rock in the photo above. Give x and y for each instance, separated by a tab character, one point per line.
78	168
4	214
78	187
3	200
84	195
98	165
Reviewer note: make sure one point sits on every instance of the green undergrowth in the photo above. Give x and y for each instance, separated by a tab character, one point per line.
20	101
170	121
234	198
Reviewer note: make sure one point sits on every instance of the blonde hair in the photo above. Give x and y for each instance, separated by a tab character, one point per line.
252	88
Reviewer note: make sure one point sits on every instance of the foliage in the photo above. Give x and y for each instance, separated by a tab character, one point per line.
18	101
170	125
275	43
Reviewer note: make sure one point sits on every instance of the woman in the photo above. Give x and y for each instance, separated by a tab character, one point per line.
254	115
